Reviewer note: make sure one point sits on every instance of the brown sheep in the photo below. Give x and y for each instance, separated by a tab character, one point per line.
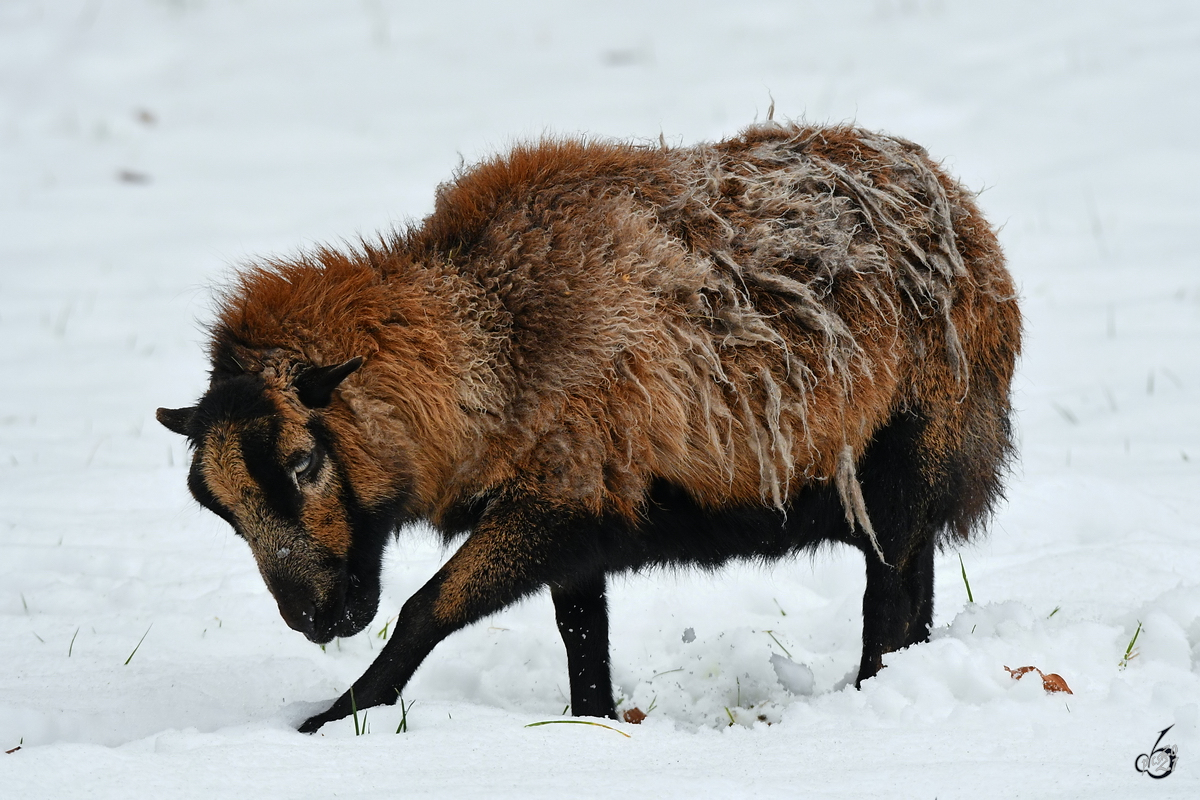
595	357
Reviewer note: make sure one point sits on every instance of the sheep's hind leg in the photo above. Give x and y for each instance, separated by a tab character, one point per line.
898	601
886	611
918	580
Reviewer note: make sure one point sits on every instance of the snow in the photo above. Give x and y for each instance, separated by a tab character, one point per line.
148	146
796	678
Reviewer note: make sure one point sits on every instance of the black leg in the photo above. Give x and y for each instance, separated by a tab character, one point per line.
919	583
886	611
517	548
897	606
906	511
582	614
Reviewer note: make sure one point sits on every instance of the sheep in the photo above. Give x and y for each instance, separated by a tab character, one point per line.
596	357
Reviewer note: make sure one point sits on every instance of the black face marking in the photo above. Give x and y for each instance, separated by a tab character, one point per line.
260	450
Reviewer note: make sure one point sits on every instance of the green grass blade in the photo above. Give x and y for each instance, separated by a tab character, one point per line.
781	647
577	722
967	583
1130	653
404	709
139	644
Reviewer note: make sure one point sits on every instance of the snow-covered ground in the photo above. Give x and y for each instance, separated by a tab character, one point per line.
146	146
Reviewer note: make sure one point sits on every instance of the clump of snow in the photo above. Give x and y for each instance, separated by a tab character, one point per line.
796	678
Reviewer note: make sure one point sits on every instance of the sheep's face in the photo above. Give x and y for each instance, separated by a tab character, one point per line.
265	463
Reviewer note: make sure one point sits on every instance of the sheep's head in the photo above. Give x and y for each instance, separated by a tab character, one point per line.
265	461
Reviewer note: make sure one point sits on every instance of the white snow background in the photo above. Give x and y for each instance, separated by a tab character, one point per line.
147	147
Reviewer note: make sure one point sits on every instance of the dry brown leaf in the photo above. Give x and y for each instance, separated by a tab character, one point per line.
634	716
1055	683
1019	671
1051	683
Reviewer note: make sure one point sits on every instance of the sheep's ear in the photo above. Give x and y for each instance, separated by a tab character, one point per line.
315	385
176	420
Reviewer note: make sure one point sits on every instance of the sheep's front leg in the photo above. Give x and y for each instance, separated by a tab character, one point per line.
518	547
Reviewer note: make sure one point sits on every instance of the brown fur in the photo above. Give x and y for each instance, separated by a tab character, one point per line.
580	318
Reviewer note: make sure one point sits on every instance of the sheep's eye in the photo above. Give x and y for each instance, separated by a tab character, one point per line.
305	466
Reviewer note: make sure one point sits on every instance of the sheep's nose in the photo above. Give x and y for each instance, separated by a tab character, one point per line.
300	617
296	607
